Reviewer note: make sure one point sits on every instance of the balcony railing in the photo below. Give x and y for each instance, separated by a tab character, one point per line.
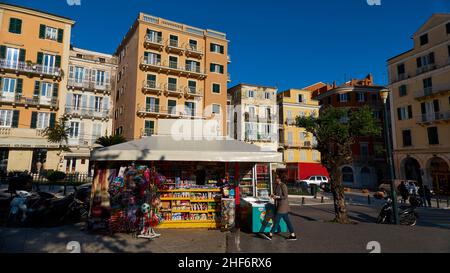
34	101
29	68
307	144
433	117
151	87
193	91
172	89
170	112
147	132
193	50
172	67
430	91
425	68
174	46
420	70
291	144
154	41
251	137
88	85
86	112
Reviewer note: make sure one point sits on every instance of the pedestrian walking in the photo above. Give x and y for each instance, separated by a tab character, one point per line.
282	210
403	191
427	194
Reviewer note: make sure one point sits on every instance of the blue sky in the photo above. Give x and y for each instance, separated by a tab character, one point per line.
283	43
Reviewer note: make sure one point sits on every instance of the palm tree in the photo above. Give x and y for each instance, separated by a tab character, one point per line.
107	141
59	134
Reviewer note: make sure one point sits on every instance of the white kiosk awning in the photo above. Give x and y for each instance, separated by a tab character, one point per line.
170	148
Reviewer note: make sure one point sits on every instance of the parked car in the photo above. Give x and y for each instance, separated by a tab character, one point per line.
318	180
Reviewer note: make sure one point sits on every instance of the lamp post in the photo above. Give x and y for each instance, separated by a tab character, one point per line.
384	95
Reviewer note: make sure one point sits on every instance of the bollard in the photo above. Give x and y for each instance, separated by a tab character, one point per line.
303	200
368	199
437	201
315	195
322	201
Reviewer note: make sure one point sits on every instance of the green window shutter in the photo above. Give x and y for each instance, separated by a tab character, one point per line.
221	69
58	61
22	54
52	120
2	52
42	31
221	49
37	87
33	120
19	87
15	119
19	26
60	35
55	90
40	57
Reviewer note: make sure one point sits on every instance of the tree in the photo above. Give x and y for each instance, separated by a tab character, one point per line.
107	141
335	131
59	134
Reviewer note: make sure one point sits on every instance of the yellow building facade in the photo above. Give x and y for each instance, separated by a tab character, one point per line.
297	145
419	81
168	70
34	52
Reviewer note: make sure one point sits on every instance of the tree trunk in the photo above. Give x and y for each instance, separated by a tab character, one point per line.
340	209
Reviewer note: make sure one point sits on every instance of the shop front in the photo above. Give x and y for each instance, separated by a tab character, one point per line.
162	182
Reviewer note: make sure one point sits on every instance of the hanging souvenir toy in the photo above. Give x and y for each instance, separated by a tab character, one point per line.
147	231
147	174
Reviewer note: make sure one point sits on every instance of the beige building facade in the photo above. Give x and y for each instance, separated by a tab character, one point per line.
168	70
419	80
34	52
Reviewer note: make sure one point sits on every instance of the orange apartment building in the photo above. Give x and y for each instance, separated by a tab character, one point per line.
168	70
34	50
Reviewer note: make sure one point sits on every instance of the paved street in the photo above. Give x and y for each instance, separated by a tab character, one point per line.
316	234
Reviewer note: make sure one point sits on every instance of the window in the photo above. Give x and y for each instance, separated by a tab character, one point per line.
51	33
76	101
149	128
361	97
424	39
96	130
300	98
290	138
251	93
171	106
193	45
43	120
425	61
447	26
400	69
172	84
433	137
402	91
79	74
216	109
216	88
315	155
347	175
404	113
343	97
173	40
290	155
12	57
193	66
427	86
302	136
98	104
173	62
151	81
46	89
154	36
407	140
15	25
216	68
102	60
190	108
364	149
8	86
152	104
100	78
152	58
289	117
192	86
48	63
74	131
217	48
267	95
303	155
6	117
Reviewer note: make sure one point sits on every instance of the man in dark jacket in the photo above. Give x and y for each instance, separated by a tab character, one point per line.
403	191
282	204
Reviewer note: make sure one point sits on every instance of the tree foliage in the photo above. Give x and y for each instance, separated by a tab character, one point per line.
107	141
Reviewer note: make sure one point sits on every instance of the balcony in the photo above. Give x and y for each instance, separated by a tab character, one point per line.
171	89
194	51
93	86
173	46
154	41
307	144
436	117
263	138
156	65
151	87
29	69
38	102
431	92
191	92
425	68
85	112
290	122
157	111
250	118
147	132
289	144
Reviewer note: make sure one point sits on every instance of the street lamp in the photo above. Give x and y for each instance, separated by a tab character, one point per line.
384	96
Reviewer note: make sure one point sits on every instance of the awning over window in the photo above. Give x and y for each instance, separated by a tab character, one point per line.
168	148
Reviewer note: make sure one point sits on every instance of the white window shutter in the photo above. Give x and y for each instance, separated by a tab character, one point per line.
93	75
